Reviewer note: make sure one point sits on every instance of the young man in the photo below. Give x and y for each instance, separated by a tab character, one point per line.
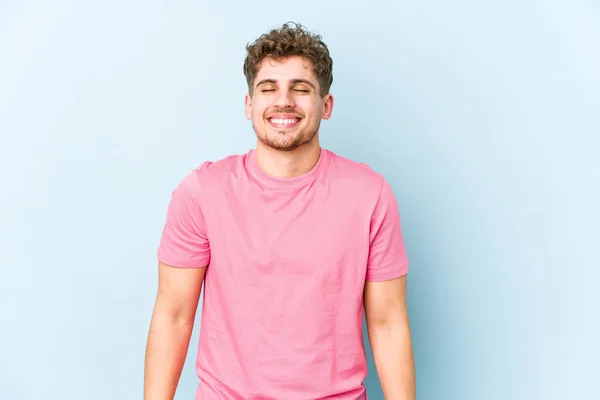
291	242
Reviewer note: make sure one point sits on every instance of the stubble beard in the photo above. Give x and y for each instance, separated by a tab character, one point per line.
300	139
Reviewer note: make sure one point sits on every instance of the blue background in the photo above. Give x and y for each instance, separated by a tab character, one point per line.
484	117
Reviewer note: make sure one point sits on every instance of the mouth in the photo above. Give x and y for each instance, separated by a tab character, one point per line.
281	121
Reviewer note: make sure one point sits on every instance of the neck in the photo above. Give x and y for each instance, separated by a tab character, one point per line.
288	164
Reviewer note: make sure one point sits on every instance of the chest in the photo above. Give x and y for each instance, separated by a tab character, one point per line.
315	233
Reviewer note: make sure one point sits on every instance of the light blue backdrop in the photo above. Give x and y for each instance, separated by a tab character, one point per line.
484	116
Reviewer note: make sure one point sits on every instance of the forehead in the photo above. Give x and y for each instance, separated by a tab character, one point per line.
289	68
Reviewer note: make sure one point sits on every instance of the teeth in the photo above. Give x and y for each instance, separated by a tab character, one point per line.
279	121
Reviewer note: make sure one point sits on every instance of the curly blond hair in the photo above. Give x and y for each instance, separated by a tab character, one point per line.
291	39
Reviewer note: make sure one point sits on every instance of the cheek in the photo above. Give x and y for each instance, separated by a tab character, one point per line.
310	109
258	110
255	112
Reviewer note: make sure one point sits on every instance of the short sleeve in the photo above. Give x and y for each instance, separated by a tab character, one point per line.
184	242
387	252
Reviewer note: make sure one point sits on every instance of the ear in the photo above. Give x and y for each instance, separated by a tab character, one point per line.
327	106
248	106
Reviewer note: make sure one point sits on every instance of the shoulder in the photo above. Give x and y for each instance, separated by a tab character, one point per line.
357	174
210	174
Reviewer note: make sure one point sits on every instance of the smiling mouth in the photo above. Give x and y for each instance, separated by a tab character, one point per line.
284	123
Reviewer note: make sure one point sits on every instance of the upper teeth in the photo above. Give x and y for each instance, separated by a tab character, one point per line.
283	121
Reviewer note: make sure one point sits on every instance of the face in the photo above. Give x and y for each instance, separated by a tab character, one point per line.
286	107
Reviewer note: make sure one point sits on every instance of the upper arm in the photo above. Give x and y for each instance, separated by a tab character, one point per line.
184	251
179	291
387	253
387	268
184	241
385	303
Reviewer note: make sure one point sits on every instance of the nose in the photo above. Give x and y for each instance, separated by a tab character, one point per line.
284	99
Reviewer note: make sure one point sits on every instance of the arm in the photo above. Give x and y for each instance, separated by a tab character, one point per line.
170	329
389	335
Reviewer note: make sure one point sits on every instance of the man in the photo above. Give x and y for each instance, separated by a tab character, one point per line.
291	242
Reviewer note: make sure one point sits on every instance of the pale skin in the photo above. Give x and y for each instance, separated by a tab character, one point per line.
291	87
170	329
388	329
286	107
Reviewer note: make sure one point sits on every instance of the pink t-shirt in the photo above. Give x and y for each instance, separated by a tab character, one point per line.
287	263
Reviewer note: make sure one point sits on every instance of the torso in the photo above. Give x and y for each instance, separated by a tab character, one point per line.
282	312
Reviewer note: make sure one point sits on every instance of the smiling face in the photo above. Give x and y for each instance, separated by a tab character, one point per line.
285	105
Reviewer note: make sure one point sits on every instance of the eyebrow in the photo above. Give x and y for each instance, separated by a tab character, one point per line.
292	81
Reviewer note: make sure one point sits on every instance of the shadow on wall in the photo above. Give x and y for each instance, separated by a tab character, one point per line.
425	298
424	328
